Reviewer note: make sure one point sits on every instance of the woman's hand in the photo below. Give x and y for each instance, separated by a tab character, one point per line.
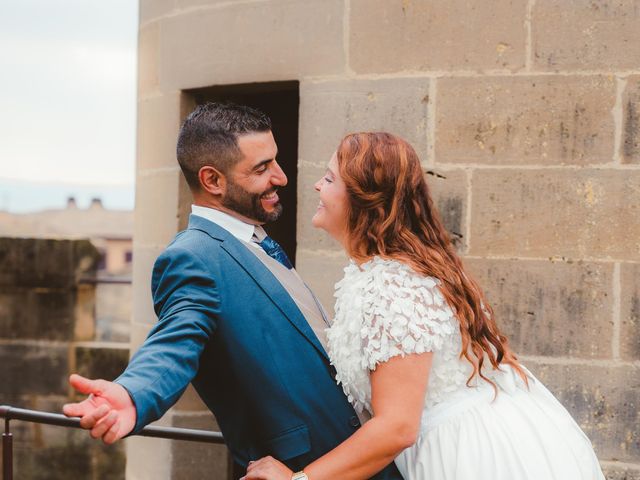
267	468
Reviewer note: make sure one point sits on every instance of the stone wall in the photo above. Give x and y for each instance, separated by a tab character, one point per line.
525	115
47	328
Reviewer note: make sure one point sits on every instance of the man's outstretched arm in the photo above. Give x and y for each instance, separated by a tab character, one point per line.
186	301
108	412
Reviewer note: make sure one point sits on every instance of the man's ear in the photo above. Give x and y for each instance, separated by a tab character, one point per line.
212	180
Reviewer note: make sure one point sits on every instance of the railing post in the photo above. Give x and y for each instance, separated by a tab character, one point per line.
7	451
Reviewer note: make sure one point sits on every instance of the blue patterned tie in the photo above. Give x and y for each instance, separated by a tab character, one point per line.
275	251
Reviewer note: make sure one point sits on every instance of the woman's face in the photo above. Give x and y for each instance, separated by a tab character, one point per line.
332	208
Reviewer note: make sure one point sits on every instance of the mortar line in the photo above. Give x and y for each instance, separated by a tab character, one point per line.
496	166
552	259
617	309
174	12
485	74
617	113
592	362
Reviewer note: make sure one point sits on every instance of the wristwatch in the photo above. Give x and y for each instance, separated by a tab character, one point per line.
300	476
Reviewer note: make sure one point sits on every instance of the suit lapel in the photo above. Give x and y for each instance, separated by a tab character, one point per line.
263	277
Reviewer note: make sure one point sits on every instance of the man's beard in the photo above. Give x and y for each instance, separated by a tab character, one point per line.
248	204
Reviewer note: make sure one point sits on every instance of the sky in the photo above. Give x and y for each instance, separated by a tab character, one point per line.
67	102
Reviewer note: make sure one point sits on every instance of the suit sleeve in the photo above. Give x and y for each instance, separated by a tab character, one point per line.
186	301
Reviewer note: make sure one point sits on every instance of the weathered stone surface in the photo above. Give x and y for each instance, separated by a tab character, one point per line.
157	197
455	35
321	270
37	314
113	312
585	35
631	121
159	119
252	42
101	361
148	53
61	453
152	9
331	109
143	312
31	263
630	314
549	120
449	193
605	401
543	213
621	472
544	307
33	369
191	459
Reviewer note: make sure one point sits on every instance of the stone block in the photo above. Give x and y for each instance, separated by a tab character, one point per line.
72	454
85	313
544	213
150	10
96	361
544	306
548	120
148	53
195	460
190	402
331	109
455	35
630	313
34	369
159	119
246	42
322	270
32	263
148	459
113	312
449	193
631	121
40	314
156	215
604	401
622	472
572	35
142	308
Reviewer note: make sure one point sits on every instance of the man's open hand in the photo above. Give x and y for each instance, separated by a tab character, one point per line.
108	412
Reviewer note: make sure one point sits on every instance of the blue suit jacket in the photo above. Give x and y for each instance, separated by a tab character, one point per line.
227	325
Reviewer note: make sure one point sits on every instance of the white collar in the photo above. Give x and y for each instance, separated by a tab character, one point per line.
236	227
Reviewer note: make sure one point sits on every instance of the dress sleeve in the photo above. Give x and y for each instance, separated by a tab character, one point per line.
404	313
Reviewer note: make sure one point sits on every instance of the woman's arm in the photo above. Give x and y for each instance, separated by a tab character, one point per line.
398	388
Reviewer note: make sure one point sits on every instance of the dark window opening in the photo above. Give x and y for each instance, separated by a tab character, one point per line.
280	101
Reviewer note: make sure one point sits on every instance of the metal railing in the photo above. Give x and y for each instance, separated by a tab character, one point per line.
34	416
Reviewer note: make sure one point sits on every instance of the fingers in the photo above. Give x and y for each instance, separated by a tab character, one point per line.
85	385
76	409
103	425
113	434
91	418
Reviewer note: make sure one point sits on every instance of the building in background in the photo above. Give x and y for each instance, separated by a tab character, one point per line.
110	231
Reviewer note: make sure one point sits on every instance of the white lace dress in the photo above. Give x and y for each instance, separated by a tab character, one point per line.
385	309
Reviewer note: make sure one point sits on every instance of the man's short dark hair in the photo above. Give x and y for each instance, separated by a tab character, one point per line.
209	136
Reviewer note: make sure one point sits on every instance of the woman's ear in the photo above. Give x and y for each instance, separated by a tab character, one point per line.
212	180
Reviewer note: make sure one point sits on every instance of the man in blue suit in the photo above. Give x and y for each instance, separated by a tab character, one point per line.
234	318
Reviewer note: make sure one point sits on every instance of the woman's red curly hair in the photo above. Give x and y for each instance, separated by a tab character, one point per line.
391	214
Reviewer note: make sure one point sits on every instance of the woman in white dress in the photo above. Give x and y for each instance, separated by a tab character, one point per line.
415	344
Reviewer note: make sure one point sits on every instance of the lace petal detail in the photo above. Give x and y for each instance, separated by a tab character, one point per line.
385	309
